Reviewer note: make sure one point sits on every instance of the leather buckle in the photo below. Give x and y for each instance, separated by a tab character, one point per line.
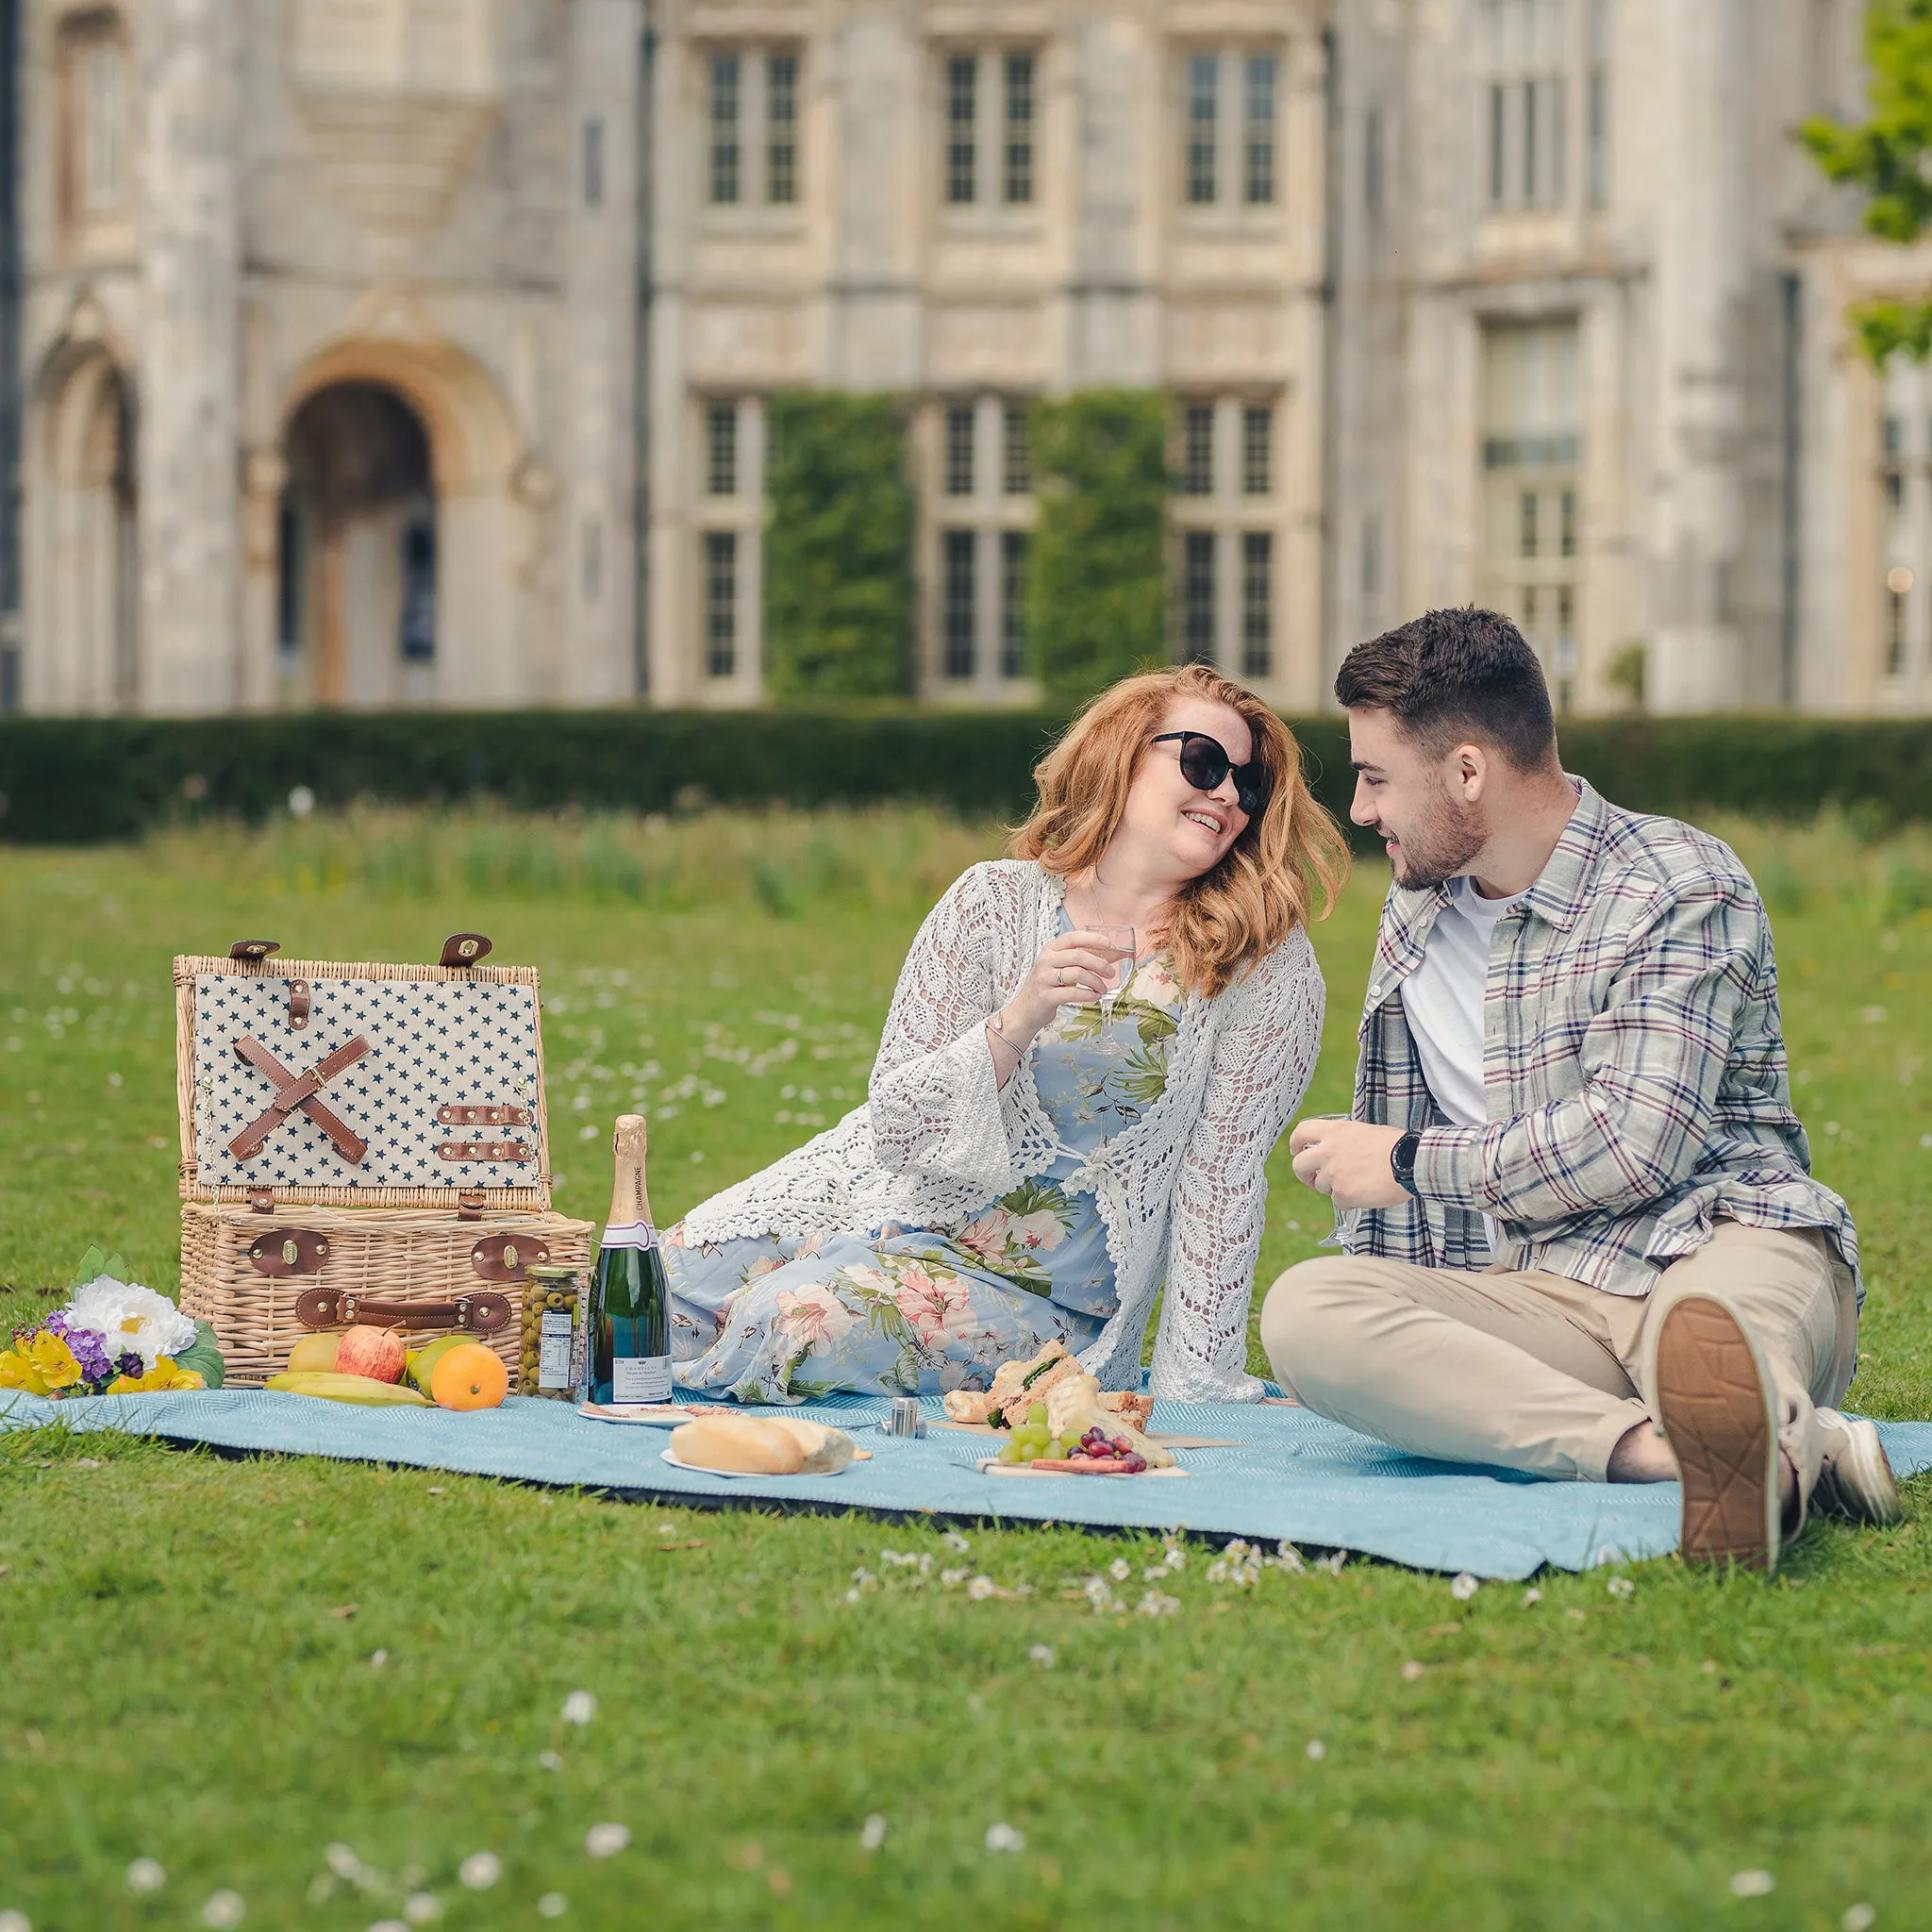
464	949
289	1251
261	1201
470	1204
505	1256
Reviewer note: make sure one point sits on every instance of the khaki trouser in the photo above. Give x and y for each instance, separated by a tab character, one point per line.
1533	1372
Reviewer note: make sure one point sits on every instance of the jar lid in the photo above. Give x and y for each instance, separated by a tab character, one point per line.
551	1270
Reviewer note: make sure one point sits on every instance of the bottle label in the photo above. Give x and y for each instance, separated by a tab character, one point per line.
641	1378
554	1350
630	1234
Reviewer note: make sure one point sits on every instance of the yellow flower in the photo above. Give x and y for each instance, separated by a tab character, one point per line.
164	1374
48	1365
18	1372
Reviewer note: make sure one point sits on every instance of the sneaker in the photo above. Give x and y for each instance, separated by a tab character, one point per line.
1854	1479
1714	1403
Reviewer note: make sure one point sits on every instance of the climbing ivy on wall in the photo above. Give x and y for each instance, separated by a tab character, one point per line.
1096	591
838	548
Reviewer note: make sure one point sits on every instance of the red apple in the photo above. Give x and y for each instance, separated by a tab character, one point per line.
377	1353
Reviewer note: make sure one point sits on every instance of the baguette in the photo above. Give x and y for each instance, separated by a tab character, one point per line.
746	1446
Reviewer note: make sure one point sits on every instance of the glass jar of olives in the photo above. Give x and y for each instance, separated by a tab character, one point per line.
550	1364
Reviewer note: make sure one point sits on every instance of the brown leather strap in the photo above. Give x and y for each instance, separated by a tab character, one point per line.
292	1091
298	1006
252	952
464	949
493	1116
481	1313
484	1150
289	1251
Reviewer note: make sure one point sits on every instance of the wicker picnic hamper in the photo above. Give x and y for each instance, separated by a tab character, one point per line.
361	1143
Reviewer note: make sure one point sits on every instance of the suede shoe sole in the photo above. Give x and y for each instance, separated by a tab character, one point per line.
1854	1479
1714	1406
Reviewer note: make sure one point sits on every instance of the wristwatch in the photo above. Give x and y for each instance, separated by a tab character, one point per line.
1402	1161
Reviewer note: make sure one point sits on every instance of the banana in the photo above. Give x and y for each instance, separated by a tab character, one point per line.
334	1387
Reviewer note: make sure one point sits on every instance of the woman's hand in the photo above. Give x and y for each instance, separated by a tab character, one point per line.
1071	970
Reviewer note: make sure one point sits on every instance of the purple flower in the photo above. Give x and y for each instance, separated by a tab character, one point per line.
90	1350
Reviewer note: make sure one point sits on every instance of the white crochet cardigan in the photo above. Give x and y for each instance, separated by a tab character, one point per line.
1182	1192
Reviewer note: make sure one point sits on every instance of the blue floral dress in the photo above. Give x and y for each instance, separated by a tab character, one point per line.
911	1311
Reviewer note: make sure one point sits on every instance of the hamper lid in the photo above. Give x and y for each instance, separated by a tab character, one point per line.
358	1083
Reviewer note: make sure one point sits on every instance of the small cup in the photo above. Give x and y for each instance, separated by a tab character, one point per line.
904	1420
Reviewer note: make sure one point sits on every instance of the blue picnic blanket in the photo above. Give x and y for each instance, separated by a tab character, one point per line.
1292	1475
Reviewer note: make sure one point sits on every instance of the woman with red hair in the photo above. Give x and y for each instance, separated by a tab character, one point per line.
1093	1047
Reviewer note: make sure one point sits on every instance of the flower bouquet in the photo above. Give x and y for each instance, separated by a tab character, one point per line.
112	1338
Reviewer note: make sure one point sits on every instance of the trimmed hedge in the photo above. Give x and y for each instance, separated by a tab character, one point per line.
72	780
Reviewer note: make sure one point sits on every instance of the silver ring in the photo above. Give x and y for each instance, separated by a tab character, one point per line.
1059	976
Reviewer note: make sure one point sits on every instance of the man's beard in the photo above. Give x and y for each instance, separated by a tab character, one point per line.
1441	848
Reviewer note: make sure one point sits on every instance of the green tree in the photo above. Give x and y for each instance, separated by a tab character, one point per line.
1096	593
1890	157
839	551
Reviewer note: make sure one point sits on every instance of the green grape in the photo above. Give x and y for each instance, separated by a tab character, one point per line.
1010	1453
1036	1414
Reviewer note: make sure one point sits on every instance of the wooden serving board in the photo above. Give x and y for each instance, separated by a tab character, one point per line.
1152	1435
991	1466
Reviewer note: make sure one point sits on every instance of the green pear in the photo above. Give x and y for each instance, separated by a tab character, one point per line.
422	1362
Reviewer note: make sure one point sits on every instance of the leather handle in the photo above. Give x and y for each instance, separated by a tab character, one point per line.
482	1313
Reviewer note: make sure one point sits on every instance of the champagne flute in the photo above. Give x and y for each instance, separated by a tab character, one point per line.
1118	939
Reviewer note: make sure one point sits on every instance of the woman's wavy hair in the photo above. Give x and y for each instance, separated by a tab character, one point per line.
1263	886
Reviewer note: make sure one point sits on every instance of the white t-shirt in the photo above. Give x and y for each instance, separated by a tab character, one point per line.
1442	1000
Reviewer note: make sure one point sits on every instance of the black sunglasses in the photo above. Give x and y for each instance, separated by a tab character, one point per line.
1205	763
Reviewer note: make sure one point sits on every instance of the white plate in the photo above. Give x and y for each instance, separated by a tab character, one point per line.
705	1469
650	1415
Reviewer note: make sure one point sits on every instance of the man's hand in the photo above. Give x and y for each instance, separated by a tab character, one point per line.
1348	1161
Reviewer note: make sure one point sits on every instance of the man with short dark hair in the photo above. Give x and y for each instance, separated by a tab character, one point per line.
1583	1239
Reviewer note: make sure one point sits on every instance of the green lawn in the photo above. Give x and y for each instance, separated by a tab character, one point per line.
191	1643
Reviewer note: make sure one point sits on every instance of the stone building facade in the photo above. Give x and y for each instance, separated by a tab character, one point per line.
415	352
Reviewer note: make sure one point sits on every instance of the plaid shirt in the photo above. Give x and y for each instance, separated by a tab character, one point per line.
1633	1061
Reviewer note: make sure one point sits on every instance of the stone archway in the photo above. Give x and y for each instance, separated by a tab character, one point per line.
445	478
83	511
356	572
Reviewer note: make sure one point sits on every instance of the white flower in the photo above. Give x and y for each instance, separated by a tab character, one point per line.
607	1841
480	1870
952	1579
1317	1750
1003	1838
579	1708
1042	1653
553	1905
1532	1595
1858	1918
550	1760
145	1874
1751	1884
14	1922
1619	1585
224	1911
980	1589
1157	1604
1411	1671
388	1926
421	1909
1120	1569
132	1320
1463	1587
342	1863
871	1834
953	1540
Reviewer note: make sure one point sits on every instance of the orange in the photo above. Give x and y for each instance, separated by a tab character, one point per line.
470	1377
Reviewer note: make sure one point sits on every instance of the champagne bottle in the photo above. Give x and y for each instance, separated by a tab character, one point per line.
630	1302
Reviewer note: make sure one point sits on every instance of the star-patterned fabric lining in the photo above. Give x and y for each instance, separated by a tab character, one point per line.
431	1043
